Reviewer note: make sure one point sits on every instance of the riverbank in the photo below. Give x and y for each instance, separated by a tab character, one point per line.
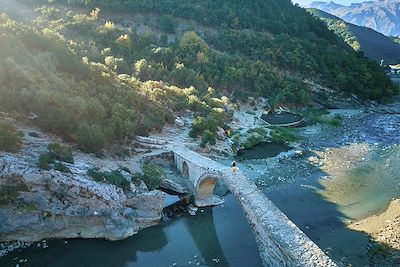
215	236
384	235
335	175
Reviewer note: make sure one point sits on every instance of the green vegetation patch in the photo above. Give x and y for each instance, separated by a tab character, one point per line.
10	192
380	250
112	177
283	135
55	156
152	175
10	137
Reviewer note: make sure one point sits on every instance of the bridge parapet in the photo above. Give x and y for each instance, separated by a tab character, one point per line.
280	241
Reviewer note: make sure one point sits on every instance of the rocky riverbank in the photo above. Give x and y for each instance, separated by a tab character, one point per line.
37	204
352	167
384	232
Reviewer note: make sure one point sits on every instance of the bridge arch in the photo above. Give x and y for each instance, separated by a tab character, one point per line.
185	169
205	187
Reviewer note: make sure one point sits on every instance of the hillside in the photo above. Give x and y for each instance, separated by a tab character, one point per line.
381	15
110	70
374	45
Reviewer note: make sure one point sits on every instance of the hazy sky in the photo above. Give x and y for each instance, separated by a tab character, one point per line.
343	2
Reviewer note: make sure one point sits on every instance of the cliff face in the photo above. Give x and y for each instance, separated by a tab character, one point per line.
37	204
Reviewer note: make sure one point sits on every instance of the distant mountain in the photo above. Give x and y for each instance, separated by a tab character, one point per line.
326	6
373	44
381	15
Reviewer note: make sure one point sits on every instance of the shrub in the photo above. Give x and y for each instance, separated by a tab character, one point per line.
253	139
61	152
382	250
56	154
91	138
14	184
210	123
334	122
113	177
10	137
208	138
167	23
152	175
59	166
27	207
283	135
44	161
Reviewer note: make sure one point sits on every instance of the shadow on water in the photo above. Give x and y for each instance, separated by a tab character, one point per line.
324	222
218	236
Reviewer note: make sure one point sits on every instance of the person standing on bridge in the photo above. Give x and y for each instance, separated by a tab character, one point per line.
234	167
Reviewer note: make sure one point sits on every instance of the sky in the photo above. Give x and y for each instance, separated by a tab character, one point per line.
343	2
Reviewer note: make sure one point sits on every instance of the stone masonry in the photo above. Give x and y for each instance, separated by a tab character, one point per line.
280	241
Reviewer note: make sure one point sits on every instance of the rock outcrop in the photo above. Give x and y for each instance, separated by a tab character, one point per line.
37	204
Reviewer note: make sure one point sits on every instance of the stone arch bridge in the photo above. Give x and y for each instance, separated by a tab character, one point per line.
280	241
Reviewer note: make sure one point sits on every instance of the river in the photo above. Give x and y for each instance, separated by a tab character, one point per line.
218	236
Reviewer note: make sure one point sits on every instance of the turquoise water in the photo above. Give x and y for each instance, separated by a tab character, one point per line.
218	236
321	207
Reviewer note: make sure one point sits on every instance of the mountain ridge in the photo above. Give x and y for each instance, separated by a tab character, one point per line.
382	16
373	44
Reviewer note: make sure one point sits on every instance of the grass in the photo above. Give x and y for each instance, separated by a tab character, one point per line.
27	207
10	137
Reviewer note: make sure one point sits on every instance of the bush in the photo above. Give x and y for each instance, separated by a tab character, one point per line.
210	123
10	191
45	160
61	167
254	139
334	122
208	139
10	137
91	138
283	135
167	23
112	177
56	154
61	152
152	175
380	250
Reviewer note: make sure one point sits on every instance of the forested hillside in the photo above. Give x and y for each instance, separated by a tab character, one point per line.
373	44
87	69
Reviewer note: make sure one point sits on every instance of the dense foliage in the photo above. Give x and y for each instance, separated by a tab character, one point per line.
98	79
77	100
339	27
268	47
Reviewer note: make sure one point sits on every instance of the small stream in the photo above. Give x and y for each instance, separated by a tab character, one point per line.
218	236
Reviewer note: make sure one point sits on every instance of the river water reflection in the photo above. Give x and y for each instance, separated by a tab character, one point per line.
218	236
